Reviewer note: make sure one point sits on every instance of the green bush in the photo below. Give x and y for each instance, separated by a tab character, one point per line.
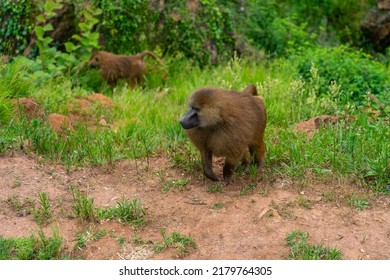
202	33
333	20
266	29
354	71
16	25
282	26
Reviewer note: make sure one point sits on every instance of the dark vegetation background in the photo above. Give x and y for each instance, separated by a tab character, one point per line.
206	32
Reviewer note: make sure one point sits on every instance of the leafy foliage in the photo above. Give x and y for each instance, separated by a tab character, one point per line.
16	25
55	62
266	29
133	26
332	20
32	248
354	71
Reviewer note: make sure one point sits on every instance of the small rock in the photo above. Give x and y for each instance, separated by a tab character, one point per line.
103	122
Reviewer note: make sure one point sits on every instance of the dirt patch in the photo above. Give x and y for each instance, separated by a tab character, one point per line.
60	123
225	224
91	110
310	126
29	107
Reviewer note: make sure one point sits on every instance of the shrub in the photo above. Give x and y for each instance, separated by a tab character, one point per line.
16	25
354	71
265	28
334	20
202	33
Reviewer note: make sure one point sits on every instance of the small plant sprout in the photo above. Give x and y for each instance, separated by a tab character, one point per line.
300	250
175	240
42	213
82	206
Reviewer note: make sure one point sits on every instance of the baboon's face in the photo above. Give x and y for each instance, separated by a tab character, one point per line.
204	112
94	62
190	119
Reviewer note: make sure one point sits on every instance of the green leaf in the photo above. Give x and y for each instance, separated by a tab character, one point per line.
39	31
77	37
47	40
49	6
93	36
70	47
48	27
41	18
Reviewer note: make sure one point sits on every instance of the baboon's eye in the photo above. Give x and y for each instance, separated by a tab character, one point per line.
196	109
97	59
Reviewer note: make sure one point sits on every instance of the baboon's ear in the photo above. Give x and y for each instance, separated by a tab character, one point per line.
250	89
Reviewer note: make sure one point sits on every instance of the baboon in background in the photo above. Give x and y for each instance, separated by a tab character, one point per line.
226	123
114	67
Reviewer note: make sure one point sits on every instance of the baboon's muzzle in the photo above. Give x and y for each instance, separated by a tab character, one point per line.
190	119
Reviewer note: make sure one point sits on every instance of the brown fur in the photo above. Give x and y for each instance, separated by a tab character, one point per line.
114	67
227	124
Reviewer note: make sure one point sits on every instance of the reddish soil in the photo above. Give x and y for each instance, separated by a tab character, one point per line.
310	126
29	107
224	225
60	123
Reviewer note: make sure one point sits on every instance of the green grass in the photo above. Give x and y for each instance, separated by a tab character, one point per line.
174	240
91	234
125	211
357	147
248	189
301	250
20	207
358	202
34	247
43	212
215	188
82	206
173	185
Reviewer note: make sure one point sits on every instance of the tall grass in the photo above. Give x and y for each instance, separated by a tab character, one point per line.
148	123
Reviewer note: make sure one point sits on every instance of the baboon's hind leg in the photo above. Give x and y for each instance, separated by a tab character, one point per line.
259	153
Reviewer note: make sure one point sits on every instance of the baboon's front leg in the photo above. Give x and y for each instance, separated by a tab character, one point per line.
208	165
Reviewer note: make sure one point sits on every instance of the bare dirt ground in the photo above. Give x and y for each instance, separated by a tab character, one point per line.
224	225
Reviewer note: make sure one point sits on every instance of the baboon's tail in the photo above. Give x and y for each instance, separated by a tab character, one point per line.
250	89
152	54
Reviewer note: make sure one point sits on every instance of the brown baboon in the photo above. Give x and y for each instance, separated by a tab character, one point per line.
114	67
226	123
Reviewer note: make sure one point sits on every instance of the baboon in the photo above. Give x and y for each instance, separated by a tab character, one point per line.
114	67
226	123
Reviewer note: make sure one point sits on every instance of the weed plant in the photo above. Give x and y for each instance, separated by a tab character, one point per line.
175	240
34	247
43	212
82	206
301	250
126	211
91	234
